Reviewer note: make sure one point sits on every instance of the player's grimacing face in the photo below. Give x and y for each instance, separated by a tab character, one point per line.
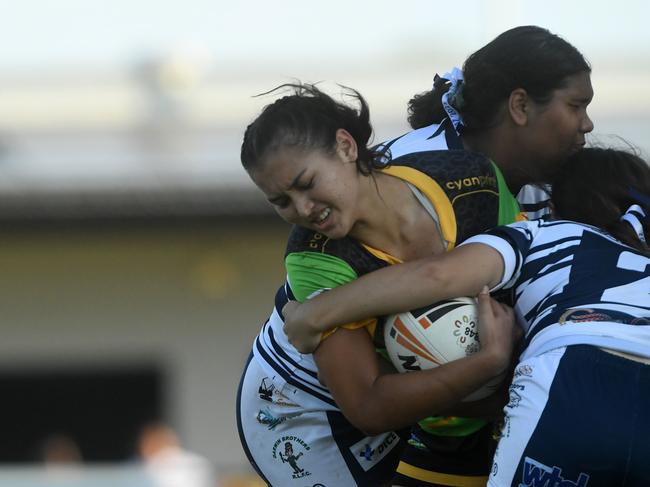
310	188
558	128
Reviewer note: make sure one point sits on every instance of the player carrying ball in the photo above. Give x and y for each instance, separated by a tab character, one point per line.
359	209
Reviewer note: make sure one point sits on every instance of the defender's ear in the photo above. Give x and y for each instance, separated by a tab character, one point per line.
519	106
346	146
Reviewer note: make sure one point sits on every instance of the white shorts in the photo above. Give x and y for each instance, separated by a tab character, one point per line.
577	417
292	446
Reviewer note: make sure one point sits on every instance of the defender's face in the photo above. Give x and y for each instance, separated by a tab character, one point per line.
557	129
312	189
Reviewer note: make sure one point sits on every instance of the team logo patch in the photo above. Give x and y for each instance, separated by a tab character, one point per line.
369	451
582	315
536	474
289	449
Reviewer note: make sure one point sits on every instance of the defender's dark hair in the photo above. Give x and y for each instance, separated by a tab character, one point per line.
308	119
593	187
527	57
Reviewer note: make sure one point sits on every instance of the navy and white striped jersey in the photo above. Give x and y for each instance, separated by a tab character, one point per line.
574	284
292	374
534	200
430	138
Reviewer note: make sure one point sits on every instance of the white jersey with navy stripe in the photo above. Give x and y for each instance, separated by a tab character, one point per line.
533	199
291	429
288	369
430	138
574	284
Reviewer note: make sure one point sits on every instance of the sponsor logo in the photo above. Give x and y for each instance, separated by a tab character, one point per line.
369	451
268	392
515	397
264	416
317	240
585	315
286	449
525	370
409	362
459	184
465	329
536	474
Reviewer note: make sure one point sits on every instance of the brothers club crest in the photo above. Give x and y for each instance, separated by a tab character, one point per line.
289	449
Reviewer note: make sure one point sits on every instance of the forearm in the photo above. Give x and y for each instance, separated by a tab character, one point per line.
396	401
392	289
376	403
400	287
490	407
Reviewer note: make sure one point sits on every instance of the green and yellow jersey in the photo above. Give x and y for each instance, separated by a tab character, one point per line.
468	196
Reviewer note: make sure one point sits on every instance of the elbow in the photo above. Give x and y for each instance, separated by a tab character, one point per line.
371	422
370	428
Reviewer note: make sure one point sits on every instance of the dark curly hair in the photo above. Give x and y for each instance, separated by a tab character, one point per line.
308	119
593	187
527	57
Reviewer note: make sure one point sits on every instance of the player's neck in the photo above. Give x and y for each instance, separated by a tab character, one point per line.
395	221
497	143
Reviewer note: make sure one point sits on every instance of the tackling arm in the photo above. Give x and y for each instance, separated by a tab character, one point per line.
376	402
461	272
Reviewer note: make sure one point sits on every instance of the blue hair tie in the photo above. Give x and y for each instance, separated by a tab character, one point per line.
454	96
634	216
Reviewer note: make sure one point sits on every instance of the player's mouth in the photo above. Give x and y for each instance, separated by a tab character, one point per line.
579	146
321	219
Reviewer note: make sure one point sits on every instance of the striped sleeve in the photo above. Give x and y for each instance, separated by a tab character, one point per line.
513	243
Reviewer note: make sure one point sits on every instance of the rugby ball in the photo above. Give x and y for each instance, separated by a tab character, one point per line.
431	336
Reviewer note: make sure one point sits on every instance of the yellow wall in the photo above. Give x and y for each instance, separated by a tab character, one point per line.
188	296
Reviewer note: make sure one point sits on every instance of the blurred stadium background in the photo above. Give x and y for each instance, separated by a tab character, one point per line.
138	261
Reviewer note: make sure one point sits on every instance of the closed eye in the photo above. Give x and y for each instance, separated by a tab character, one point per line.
306	186
280	202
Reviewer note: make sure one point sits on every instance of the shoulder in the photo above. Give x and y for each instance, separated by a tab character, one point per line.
447	166
433	137
314	262
310	243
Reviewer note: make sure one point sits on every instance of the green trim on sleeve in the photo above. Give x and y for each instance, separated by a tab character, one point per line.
508	205
312	271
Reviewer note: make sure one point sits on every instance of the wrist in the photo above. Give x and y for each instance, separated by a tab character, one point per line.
495	362
311	317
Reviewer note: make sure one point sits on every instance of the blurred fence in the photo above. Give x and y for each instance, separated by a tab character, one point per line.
104	476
